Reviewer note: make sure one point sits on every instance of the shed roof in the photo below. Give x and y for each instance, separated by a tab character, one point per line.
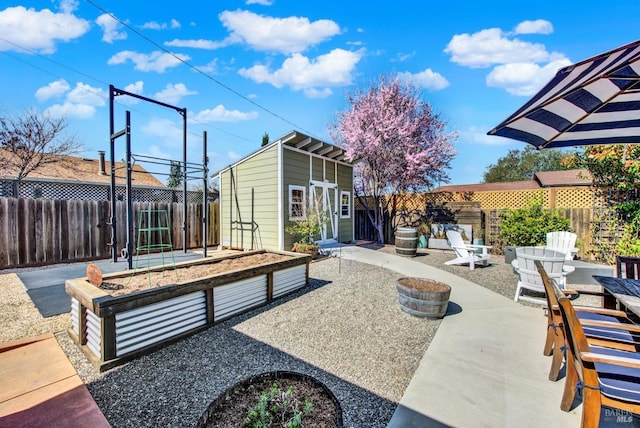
572	177
300	141
313	145
72	168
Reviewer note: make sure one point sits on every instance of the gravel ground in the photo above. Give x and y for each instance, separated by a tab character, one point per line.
345	329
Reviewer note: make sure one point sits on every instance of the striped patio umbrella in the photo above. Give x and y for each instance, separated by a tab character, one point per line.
596	101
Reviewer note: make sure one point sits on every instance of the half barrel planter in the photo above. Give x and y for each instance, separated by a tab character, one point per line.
111	330
423	297
406	241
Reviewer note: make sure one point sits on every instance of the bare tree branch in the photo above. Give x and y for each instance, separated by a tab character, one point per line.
32	140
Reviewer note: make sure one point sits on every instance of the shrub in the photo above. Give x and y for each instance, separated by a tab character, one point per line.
310	225
529	226
629	242
277	408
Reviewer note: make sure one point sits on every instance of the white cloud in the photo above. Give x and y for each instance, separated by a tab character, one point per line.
491	46
38	31
153	25
111	29
427	78
519	67
165	130
334	69
135	88
87	94
199	43
211	67
285	35
68	6
539	26
221	114
401	57
52	90
155	61
524	78
80	102
71	110
477	135
172	94
260	2
233	156
317	93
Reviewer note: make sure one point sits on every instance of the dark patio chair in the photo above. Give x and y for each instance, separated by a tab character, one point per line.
628	267
609	377
596	325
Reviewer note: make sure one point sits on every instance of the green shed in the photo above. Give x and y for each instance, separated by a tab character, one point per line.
261	194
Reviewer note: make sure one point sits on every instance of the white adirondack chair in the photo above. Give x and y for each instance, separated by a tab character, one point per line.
528	276
565	242
465	252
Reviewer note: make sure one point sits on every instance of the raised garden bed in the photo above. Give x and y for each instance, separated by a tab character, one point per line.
130	316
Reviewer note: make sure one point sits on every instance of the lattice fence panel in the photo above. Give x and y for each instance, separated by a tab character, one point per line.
48	189
511	199
568	197
606	225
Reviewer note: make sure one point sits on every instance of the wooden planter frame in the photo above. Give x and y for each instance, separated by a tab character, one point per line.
111	330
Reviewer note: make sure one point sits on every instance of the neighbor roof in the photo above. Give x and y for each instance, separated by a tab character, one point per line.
572	177
72	168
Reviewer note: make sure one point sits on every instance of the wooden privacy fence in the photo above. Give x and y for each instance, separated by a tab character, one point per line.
46	231
588	209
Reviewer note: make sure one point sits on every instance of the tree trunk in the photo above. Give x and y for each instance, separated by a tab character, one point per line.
380	228
377	221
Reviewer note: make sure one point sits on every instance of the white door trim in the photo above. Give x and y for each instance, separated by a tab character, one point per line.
328	232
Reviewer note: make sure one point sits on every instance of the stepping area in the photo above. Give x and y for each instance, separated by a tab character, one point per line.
41	387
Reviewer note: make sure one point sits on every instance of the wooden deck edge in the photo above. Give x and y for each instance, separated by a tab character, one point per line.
14	344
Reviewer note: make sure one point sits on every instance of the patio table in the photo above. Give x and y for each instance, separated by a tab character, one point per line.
623	291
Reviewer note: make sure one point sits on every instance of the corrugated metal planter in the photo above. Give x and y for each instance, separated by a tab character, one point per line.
114	329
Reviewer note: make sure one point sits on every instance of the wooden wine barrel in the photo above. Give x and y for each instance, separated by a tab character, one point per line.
406	241
423	297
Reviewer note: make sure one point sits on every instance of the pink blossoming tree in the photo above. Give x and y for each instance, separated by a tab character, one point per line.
400	144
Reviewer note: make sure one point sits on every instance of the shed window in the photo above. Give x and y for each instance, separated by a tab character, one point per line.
296	202
345	204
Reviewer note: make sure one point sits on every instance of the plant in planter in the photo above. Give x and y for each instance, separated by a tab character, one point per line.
274	399
424	232
278	408
305	228
528	226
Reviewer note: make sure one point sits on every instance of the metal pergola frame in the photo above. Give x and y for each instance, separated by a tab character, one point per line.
113	136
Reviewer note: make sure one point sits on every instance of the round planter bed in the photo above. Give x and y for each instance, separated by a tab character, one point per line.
423	297
231	407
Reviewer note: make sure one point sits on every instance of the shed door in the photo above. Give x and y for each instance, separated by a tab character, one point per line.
325	201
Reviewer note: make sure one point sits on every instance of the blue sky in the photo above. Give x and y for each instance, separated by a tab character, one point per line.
243	68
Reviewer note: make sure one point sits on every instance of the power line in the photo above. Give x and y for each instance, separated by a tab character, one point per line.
196	69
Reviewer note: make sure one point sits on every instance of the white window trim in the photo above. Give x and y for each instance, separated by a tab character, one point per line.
293	187
349	204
